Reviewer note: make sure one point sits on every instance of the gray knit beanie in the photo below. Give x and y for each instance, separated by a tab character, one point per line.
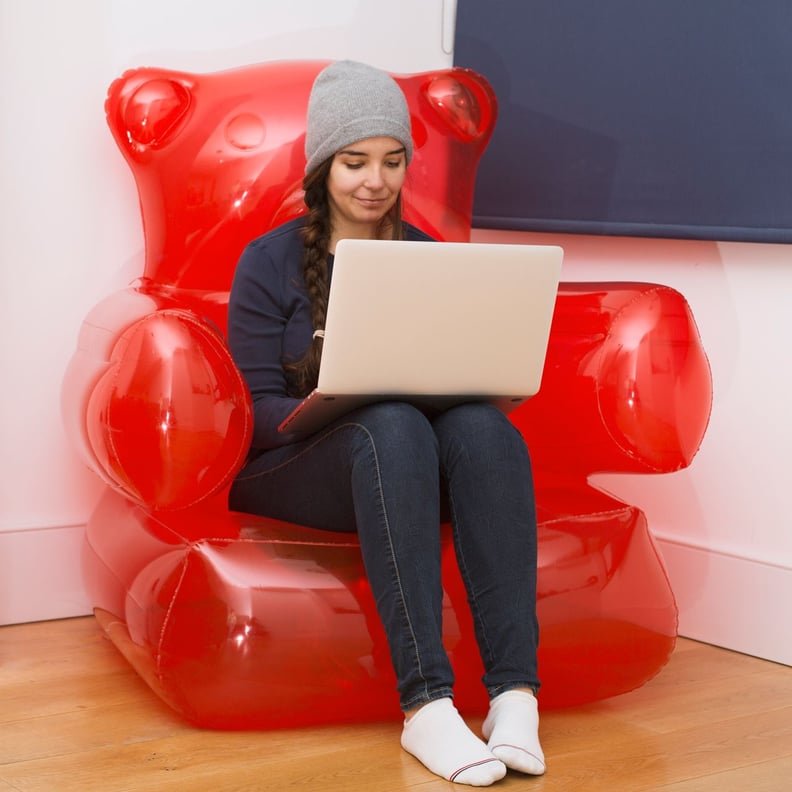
352	101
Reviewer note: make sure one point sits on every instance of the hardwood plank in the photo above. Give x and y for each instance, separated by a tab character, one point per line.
214	761
705	677
74	716
60	666
772	776
636	758
83	730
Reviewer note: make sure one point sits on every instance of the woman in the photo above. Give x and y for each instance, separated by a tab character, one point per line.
384	469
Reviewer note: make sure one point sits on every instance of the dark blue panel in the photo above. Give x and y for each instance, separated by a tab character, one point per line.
638	117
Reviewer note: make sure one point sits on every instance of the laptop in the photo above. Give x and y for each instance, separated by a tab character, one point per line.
432	323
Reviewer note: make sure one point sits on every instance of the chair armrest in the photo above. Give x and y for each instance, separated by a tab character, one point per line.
154	402
627	386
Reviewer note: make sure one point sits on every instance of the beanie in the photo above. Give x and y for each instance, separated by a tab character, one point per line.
351	101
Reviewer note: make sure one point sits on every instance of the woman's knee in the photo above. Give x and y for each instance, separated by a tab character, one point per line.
481	428
395	425
476	418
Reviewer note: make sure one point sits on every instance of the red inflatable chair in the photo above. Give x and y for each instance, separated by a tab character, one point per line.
242	622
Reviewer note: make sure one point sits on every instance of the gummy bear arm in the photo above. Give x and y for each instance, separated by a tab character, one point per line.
626	387
167	416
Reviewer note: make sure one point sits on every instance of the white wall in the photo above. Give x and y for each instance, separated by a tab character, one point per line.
70	233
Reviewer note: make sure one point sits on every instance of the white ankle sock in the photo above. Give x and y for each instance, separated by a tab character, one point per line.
437	736
512	731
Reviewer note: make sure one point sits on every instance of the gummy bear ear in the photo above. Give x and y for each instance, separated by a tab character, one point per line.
145	108
465	102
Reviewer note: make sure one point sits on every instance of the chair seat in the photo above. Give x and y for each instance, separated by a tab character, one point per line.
270	624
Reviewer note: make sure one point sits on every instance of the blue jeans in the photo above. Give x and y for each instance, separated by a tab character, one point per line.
383	471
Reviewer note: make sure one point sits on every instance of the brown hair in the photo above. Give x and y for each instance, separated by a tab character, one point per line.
303	375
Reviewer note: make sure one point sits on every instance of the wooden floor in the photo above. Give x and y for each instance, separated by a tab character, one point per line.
75	717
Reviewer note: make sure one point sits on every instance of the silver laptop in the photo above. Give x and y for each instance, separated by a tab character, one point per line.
432	323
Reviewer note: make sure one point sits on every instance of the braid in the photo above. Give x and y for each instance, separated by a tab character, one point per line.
303	375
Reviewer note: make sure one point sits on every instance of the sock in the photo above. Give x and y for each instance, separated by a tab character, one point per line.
438	737
512	731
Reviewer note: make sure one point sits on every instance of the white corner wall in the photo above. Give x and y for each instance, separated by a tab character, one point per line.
70	233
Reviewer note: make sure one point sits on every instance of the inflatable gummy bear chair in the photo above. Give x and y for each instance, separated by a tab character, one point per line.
238	621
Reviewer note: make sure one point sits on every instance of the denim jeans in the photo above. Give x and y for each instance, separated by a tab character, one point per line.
380	471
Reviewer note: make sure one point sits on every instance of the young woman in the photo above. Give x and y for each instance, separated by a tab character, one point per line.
383	470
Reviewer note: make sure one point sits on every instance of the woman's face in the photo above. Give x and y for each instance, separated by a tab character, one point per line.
363	184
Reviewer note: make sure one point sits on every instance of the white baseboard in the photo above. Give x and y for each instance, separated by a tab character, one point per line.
730	601
40	574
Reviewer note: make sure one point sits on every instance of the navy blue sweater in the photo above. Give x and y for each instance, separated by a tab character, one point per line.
269	319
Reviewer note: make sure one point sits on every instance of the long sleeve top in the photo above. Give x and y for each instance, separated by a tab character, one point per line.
269	320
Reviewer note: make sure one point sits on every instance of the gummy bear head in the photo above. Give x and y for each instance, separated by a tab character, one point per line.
218	158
